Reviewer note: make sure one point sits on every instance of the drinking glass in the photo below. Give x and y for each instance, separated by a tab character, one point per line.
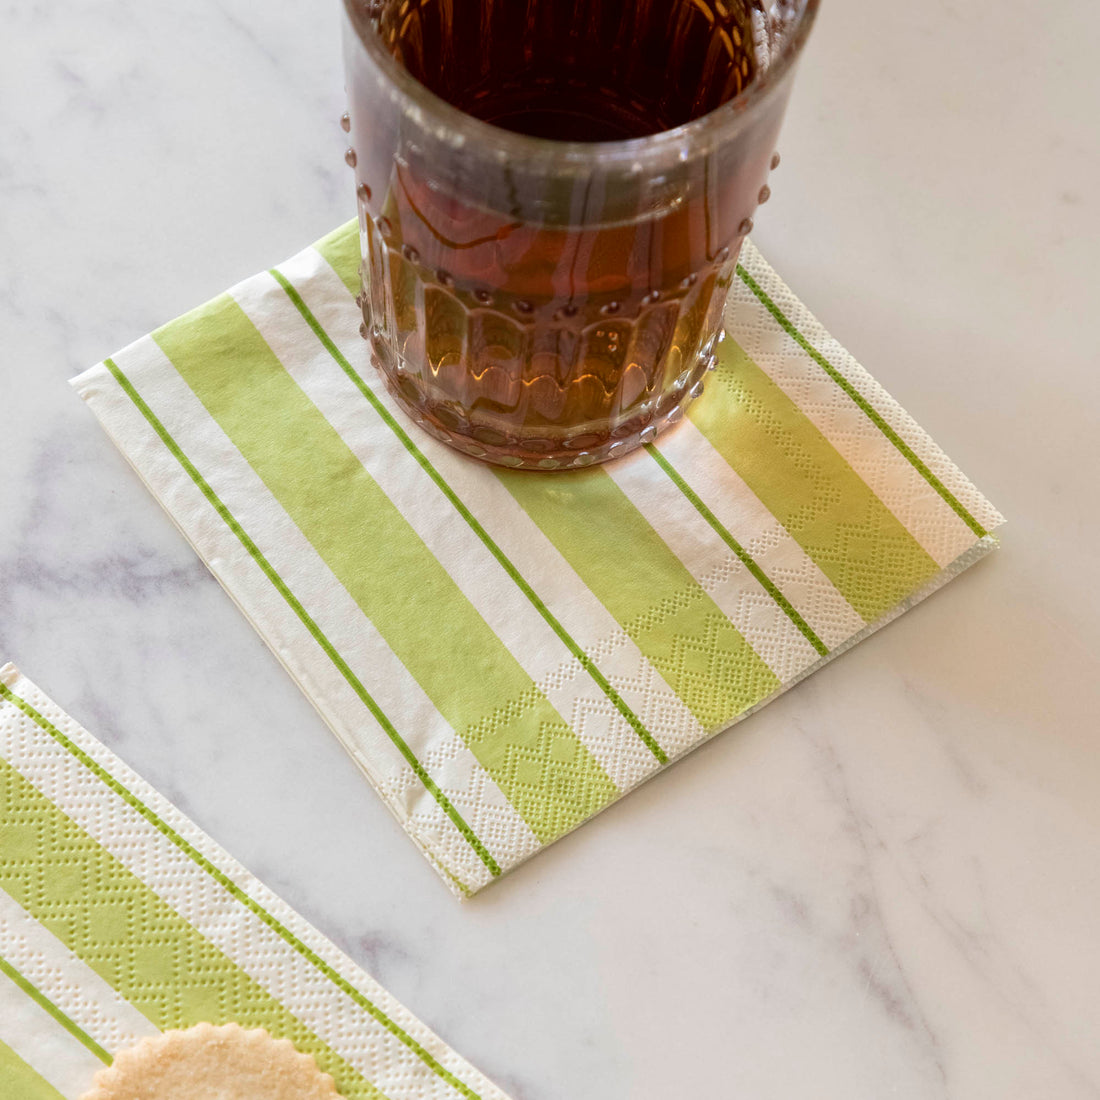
551	298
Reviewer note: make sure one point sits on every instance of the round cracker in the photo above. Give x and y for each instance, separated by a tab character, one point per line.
212	1063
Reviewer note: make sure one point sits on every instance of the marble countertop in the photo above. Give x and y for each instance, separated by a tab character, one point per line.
884	884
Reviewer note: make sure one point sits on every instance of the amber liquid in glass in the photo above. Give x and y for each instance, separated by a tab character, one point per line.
552	324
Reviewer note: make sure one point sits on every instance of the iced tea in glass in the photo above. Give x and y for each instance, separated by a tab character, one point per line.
551	201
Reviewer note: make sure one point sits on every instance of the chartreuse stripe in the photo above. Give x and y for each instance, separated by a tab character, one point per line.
223	880
128	935
19	1082
474	524
536	759
856	541
304	617
863	404
647	590
341	249
43	1002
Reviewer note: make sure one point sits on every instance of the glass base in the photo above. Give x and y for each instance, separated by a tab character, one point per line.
585	448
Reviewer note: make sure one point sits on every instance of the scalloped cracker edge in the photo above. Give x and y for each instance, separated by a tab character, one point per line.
213	1063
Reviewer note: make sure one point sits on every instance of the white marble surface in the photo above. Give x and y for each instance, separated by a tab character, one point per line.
885	884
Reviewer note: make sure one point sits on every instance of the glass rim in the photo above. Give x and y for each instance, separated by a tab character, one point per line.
457	128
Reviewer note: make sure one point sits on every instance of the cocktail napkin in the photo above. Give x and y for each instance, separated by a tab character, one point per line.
119	919
505	653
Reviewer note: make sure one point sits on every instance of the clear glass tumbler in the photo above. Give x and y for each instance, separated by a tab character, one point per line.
551	202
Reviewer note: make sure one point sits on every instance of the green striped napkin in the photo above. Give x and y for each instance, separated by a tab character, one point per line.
504	653
119	918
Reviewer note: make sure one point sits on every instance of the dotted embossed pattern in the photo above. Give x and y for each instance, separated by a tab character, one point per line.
119	919
503	652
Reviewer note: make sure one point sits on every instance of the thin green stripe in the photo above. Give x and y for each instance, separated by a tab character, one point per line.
868	409
799	476
477	685
647	590
306	619
743	555
427	466
40	998
19	1081
223	880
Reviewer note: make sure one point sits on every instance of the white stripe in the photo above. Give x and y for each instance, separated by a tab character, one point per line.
743	600
430	738
596	721
231	927
55	1055
888	473
760	534
77	990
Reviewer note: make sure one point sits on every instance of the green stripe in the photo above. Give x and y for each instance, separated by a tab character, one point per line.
128	935
296	606
18	1081
223	880
456	502
341	250
856	541
647	589
40	999
868	409
535	758
742	554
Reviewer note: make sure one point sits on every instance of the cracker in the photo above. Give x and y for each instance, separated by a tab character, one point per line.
212	1063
